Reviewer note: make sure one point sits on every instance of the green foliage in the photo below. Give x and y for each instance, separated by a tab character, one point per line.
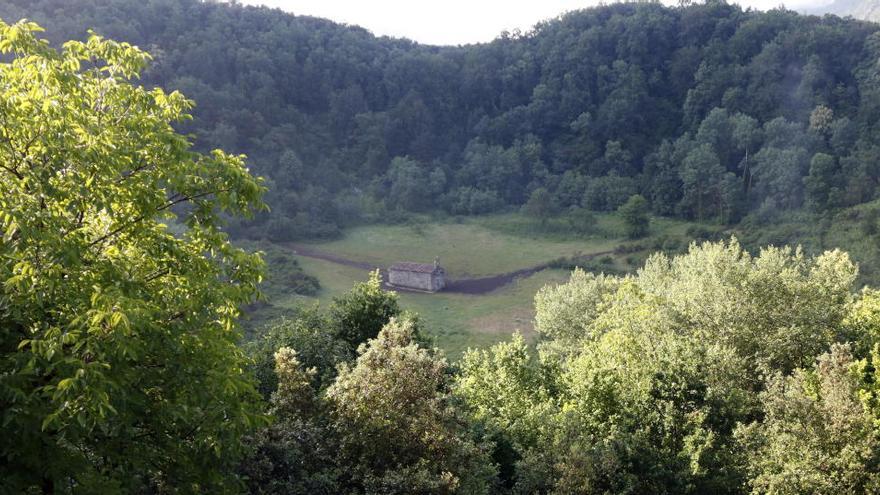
715	288
701	174
410	187
296	454
869	222
862	323
818	434
310	334
635	216
564	312
399	433
540	205
707	110
821	185
640	382
779	175
387	424
119	370
608	193
821	119
716	371
285	278
286	275
322	341
359	315
581	220
654	410
653	383
472	201
508	388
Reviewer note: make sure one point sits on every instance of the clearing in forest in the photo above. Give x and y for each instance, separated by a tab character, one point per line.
482	254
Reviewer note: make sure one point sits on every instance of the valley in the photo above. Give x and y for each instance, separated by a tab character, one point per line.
472	249
658	228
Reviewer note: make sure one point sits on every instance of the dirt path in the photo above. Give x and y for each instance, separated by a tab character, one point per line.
323	255
488	284
480	285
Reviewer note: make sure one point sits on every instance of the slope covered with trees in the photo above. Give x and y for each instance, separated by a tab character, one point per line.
708	111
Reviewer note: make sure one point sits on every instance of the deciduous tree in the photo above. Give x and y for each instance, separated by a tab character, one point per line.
635	216
359	315
818	434
119	365
398	430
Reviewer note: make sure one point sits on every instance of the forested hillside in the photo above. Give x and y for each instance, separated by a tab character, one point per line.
708	111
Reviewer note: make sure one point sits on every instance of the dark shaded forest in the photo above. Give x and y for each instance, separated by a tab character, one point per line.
708	111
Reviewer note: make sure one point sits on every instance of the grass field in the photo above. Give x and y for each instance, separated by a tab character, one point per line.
455	321
478	246
465	250
473	247
496	244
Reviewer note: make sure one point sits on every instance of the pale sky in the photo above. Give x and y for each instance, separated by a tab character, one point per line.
453	22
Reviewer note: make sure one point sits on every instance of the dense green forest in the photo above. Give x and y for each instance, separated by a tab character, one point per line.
716	370
710	112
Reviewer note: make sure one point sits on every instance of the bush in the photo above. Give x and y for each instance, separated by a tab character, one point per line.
286	275
635	216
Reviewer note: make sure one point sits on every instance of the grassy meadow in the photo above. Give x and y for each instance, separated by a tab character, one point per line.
455	321
480	246
468	248
495	244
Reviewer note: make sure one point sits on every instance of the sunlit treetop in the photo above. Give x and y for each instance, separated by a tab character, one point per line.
118	358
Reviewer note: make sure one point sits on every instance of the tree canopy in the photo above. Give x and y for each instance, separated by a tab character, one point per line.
715	371
119	365
693	376
709	111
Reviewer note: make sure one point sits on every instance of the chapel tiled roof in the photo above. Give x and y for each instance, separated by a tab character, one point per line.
407	266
